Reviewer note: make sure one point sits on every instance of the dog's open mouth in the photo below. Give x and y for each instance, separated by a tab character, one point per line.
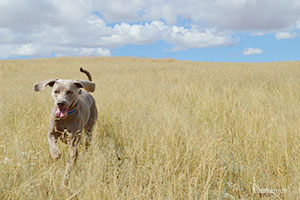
61	112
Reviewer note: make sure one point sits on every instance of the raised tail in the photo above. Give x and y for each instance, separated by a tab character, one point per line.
87	73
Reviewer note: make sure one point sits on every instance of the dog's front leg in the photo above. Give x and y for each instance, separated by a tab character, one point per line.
73	154
53	147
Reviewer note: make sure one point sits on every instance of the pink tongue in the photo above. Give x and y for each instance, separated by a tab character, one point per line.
61	113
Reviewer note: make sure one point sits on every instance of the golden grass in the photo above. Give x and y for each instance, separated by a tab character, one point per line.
183	130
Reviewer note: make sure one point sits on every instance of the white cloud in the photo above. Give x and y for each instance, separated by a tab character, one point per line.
258	33
195	38
81	51
252	51
298	24
95	37
40	50
25	50
253	15
246	15
285	35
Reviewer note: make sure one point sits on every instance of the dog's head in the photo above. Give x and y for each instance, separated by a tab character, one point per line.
64	93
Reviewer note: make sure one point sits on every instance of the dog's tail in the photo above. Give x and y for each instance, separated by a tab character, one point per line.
87	73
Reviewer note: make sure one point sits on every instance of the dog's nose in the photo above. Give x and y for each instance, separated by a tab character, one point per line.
61	103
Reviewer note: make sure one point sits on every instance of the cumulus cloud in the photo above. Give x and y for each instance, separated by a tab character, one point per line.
298	24
254	15
257	33
245	15
285	35
195	38
42	50
252	51
89	27
94	38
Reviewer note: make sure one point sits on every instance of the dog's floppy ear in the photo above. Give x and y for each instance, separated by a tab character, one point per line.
87	85
41	85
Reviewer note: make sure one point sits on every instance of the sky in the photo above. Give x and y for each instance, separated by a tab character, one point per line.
197	30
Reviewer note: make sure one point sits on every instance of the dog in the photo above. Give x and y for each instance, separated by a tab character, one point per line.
74	110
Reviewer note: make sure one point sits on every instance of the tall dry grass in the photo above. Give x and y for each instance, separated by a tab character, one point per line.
182	130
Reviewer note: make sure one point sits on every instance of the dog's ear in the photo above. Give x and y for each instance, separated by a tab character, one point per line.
41	85
87	85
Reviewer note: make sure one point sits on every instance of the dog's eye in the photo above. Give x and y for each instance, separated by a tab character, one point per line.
69	92
56	91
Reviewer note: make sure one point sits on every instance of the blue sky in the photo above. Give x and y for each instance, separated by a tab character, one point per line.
198	30
273	50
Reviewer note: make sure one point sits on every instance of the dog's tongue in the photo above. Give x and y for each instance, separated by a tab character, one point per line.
61	113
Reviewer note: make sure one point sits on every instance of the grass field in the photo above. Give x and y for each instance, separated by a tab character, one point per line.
183	130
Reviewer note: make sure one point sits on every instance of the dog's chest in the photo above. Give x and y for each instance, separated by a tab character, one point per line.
60	126
62	130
